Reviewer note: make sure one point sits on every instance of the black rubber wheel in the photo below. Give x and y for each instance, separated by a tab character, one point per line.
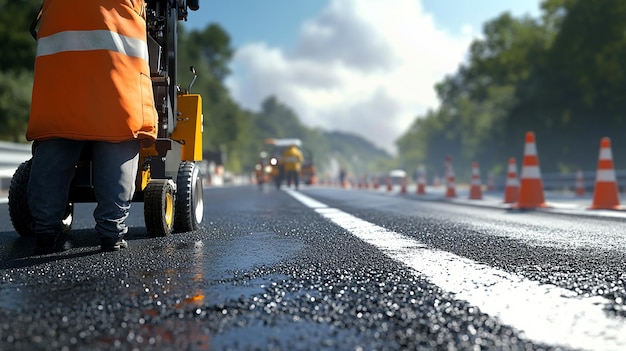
189	198
18	200
158	207
19	211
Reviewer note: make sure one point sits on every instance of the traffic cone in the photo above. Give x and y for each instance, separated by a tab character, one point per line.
421	180
450	181
511	188
476	192
531	185
606	193
491	186
403	184
580	185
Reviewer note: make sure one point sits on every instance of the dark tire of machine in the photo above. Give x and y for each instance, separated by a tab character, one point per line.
189	198
19	211
18	200
159	207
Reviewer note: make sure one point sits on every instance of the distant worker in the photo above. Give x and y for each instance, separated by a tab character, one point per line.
259	172
92	91
342	176
277	171
292	164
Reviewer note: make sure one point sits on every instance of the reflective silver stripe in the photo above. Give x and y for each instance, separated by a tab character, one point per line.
291	159
606	175
531	172
606	154
530	149
512	182
90	40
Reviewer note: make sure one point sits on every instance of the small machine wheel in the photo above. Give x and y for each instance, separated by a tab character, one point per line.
189	197
159	207
19	211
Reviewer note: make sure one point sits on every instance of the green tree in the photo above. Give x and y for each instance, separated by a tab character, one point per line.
213	46
278	120
16	43
561	76
470	125
15	96
575	95
16	64
227	127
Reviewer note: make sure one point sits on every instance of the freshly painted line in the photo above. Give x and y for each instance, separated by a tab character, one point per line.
307	201
543	313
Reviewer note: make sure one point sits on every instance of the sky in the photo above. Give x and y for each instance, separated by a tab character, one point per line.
362	66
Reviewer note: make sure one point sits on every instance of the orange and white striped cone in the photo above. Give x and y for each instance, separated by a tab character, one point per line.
531	186
421	180
491	186
450	180
403	185
511	188
475	192
606	193
580	184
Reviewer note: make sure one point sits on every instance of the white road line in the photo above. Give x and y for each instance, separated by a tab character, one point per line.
543	313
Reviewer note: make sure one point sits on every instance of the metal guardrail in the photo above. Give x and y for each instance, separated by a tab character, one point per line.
567	182
11	155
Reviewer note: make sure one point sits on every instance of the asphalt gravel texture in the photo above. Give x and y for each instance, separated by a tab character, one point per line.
266	273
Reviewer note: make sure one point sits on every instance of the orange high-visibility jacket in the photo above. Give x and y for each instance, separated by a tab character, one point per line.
92	77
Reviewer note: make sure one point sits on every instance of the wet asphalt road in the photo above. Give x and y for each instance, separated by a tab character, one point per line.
267	272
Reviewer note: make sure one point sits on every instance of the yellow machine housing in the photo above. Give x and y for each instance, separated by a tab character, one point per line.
169	181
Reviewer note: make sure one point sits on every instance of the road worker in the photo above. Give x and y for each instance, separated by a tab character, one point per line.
292	162
259	172
92	90
276	172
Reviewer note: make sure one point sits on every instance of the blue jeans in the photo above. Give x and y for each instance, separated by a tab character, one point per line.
114	172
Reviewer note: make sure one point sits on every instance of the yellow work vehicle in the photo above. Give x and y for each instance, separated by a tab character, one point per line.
169	181
273	151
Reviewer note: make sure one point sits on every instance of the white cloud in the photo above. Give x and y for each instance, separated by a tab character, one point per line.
364	66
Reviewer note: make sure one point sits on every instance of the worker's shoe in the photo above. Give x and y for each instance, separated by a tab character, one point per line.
46	244
112	244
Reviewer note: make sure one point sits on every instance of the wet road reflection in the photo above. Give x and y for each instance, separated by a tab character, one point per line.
266	272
